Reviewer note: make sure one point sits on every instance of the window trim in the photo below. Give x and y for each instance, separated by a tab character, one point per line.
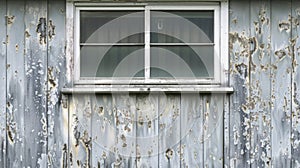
221	49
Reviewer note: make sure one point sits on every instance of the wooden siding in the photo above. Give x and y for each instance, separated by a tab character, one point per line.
146	130
264	72
256	126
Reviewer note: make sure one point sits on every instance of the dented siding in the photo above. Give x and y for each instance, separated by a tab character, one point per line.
256	126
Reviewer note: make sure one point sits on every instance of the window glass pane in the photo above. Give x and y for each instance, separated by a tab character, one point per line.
182	26
112	61
111	26
182	61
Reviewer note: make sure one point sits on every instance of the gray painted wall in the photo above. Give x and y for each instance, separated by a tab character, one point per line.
256	126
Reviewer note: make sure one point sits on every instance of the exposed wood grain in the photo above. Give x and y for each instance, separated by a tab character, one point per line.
35	119
213	130
169	130
16	85
260	88
281	64
147	130
56	77
2	82
239	78
295	44
192	139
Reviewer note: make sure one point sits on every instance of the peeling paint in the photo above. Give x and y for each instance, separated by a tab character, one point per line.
86	141
10	20
11	127
44	125
169	154
64	156
280	54
76	133
27	34
285	25
51	30
41	30
43	160
17	47
53	92
251	65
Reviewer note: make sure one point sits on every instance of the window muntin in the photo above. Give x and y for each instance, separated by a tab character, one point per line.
149	45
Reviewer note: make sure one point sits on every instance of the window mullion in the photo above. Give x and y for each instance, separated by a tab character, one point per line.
147	43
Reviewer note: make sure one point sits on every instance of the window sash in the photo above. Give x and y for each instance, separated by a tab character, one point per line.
147	45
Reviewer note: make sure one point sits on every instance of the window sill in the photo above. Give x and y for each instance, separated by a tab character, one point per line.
146	88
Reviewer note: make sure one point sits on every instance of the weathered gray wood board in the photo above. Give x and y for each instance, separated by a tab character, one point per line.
57	115
147	117
80	130
239	48
266	61
260	91
191	152
281	67
295	44
169	132
16	82
35	67
2	83
24	75
213	130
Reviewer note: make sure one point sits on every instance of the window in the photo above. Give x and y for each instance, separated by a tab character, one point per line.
148	44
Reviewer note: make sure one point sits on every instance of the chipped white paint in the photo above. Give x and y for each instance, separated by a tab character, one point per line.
261	118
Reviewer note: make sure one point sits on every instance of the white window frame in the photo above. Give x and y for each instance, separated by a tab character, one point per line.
220	34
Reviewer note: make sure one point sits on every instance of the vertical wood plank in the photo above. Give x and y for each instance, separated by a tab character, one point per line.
169	130
213	130
281	83
239	78
147	130
125	153
56	71
2	82
16	91
295	44
191	130
103	131
226	126
36	83
80	135
69	29
260	84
